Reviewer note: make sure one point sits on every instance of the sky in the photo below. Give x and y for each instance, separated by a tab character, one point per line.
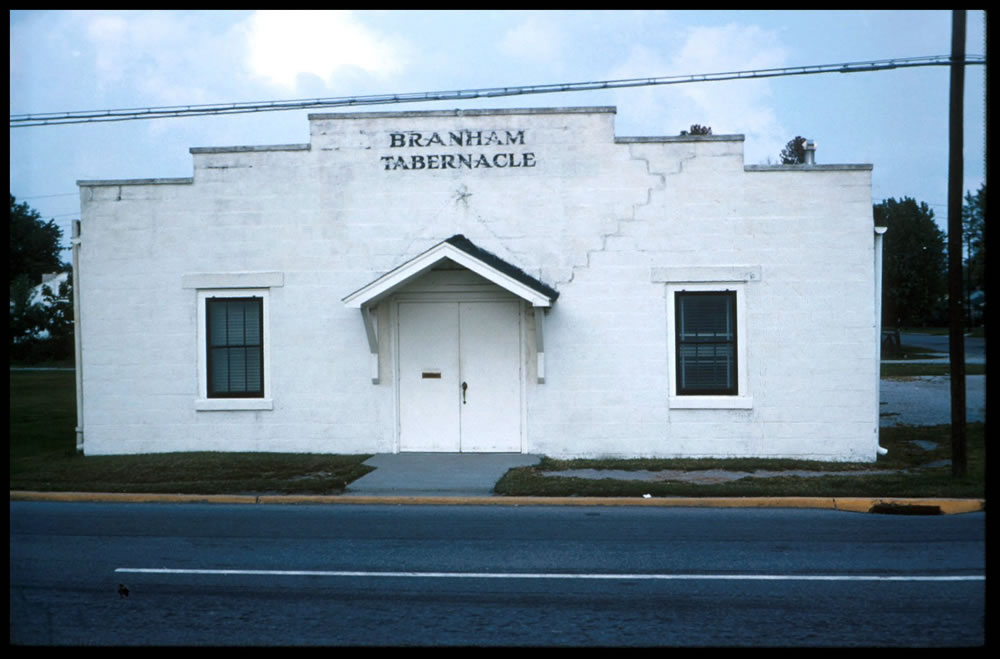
896	120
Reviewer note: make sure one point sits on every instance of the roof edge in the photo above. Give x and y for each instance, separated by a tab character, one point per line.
733	137
461	250
807	168
188	180
250	149
597	109
509	269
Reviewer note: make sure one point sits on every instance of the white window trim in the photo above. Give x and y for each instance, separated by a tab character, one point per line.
743	399
205	404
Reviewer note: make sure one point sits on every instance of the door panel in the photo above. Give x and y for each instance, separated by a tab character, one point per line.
428	377
490	365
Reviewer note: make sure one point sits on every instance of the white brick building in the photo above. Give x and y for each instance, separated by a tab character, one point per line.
507	280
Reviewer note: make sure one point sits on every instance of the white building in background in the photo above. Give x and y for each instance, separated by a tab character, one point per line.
503	280
50	280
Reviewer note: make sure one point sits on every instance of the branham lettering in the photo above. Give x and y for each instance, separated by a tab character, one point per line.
458	138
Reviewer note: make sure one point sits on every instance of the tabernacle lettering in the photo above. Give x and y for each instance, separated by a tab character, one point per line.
499	159
459	161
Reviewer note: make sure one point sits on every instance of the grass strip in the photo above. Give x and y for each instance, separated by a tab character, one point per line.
43	458
924	369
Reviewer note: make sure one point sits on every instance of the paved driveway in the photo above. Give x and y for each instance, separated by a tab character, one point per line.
926	400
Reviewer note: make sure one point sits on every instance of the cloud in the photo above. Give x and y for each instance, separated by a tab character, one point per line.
153	58
284	45
741	106
645	106
537	39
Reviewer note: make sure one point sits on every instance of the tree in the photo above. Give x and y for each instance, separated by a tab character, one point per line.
794	152
34	245
914	264
58	304
41	320
698	129
27	317
40	330
974	228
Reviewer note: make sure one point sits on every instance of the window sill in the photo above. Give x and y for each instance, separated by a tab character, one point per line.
711	402
232	404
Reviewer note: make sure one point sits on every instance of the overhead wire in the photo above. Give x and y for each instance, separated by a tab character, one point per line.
175	111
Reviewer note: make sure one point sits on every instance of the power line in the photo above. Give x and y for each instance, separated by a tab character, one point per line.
49	196
130	114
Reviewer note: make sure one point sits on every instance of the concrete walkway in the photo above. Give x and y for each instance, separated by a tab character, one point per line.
437	474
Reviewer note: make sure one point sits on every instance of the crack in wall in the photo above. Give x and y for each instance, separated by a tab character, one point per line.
622	222
461	197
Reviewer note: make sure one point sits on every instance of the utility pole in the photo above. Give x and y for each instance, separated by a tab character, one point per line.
955	173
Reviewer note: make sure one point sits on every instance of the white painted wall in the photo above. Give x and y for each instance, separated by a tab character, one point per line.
610	223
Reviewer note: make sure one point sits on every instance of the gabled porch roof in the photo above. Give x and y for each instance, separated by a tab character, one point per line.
464	252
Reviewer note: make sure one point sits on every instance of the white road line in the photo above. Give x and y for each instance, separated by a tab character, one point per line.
557	575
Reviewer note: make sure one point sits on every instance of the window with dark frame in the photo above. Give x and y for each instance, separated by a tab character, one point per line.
706	343
235	332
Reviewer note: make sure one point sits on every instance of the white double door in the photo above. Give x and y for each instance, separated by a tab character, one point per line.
459	376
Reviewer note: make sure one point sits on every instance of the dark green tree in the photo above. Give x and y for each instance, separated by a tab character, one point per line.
35	246
914	264
58	301
974	228
27	317
40	329
794	152
697	129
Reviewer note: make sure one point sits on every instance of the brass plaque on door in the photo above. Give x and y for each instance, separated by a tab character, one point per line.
431	375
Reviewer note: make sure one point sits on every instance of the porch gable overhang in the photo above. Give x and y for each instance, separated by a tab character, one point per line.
465	253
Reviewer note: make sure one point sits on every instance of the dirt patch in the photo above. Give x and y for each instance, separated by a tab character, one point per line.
701	477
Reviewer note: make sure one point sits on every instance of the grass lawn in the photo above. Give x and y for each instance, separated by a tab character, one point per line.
43	458
43	455
913	370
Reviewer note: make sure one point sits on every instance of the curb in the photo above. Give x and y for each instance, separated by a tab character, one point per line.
890	505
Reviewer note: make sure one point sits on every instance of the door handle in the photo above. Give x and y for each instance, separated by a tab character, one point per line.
465	385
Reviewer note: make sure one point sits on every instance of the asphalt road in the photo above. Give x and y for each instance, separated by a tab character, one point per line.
975	347
478	575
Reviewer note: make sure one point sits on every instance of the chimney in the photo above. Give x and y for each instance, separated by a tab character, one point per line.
810	149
